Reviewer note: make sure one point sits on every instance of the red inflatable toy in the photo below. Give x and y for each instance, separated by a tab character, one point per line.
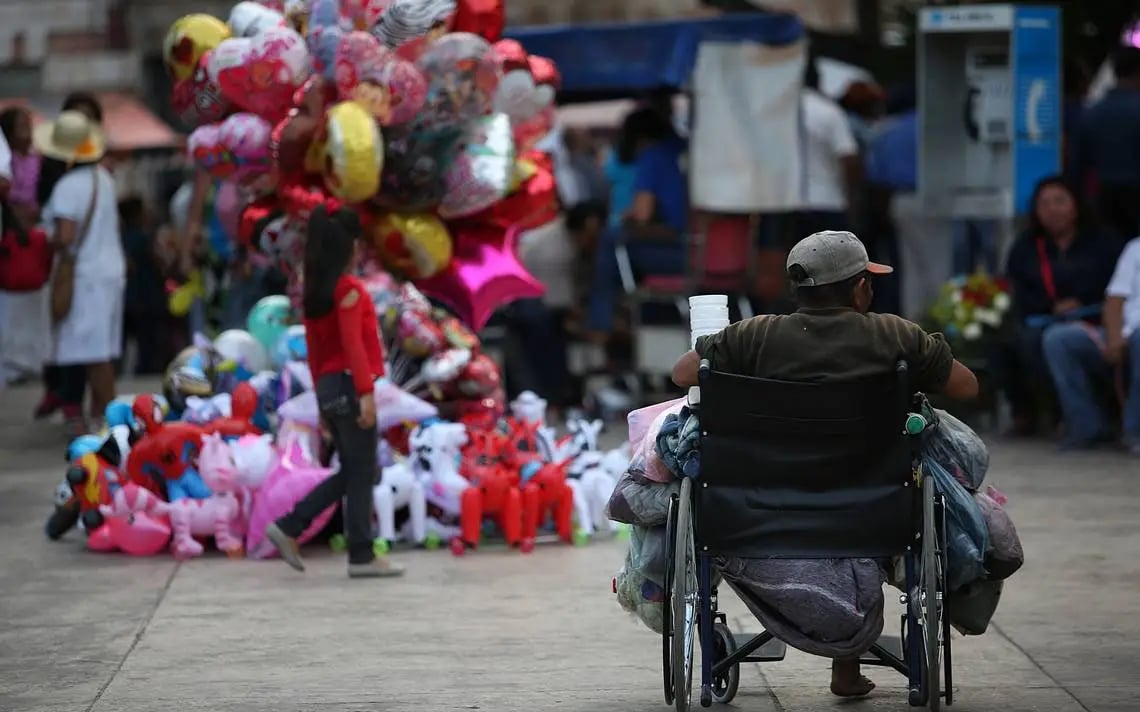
546	494
243	406
494	494
167	451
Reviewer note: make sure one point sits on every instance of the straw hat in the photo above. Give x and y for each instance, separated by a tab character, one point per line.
72	137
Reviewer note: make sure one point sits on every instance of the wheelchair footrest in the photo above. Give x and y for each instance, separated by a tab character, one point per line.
891	643
771	652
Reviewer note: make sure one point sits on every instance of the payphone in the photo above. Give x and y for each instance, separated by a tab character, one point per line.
989	101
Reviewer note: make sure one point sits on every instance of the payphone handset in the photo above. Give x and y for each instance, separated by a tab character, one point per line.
988	111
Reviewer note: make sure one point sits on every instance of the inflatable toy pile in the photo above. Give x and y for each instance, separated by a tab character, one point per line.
414	113
150	483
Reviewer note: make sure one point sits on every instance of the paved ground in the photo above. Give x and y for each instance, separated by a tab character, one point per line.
500	631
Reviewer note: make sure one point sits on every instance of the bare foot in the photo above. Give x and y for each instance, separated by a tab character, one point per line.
846	681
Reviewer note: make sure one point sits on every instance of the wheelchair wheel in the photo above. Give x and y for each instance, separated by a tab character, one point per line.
684	599
931	595
724	686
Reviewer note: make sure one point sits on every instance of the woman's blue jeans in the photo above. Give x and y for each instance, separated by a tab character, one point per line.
1078	367
646	257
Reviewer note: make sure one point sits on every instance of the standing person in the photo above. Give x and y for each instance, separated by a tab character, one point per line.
146	301
83	219
60	383
345	357
1109	146
25	343
832	172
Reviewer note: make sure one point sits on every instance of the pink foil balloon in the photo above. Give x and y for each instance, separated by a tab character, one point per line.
484	274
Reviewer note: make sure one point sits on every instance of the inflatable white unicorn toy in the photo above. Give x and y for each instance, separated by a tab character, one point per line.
588	477
434	461
399	487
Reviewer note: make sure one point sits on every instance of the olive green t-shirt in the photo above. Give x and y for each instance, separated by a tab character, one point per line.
821	345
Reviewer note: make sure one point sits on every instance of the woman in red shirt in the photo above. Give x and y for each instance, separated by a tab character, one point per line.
345	357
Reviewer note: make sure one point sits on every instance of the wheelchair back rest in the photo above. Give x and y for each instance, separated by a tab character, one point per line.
806	469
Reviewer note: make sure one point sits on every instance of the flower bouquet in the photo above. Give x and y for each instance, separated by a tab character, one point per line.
970	308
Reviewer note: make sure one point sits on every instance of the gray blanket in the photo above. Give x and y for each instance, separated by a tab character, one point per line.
828	607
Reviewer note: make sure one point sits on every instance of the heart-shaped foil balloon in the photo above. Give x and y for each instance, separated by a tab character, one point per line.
261	74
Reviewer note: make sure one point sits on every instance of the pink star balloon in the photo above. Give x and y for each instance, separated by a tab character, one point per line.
484	274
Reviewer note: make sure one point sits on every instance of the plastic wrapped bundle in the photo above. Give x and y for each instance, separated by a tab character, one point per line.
959	450
1005	555
640	501
967	540
639	584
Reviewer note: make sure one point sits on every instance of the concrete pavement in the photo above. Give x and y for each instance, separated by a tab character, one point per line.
500	631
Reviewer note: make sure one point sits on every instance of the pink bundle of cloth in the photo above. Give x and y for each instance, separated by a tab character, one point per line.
644	425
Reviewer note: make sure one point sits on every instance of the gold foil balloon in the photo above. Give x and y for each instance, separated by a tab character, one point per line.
414	245
189	38
353	153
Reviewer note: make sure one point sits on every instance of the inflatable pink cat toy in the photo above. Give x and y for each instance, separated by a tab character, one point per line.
127	527
221	515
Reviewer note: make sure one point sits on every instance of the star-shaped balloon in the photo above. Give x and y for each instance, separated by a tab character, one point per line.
484	274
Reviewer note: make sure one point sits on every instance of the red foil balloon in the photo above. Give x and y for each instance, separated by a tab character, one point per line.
480	17
513	54
197	99
253	219
484	274
544	71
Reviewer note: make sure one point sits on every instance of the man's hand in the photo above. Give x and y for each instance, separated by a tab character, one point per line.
1114	352
1066	305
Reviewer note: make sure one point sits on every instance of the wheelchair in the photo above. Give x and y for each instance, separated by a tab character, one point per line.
802	471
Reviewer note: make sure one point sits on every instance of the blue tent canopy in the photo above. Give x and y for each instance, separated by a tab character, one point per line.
619	60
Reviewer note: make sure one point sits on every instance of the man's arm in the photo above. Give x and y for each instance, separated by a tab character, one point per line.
962	383
685	371
1113	318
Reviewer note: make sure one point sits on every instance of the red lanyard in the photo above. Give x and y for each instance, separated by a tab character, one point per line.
1046	270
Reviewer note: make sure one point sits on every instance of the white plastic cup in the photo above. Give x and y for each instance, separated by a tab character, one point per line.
719	300
709	316
718	321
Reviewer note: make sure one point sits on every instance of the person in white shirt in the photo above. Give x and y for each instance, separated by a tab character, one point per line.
5	168
1081	356
82	216
831	165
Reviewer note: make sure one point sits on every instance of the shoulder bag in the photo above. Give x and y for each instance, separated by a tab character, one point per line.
63	279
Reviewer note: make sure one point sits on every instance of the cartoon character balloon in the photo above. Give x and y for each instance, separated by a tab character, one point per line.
415	162
353	153
238	148
463	72
249	19
188	40
198	99
414	245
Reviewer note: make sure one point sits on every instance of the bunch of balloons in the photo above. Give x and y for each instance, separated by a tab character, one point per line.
412	112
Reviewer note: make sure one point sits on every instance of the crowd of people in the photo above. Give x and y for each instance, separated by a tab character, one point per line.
1075	289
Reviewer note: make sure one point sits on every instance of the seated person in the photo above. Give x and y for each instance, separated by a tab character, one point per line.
655	225
1081	355
832	337
1059	266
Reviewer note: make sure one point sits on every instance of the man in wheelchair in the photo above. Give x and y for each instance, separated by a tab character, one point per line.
831	338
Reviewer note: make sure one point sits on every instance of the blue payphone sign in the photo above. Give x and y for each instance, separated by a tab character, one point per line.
1036	64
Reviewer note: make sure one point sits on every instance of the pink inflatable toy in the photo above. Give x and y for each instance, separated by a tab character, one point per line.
128	528
287	483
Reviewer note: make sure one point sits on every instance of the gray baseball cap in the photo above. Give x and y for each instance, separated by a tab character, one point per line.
831	256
